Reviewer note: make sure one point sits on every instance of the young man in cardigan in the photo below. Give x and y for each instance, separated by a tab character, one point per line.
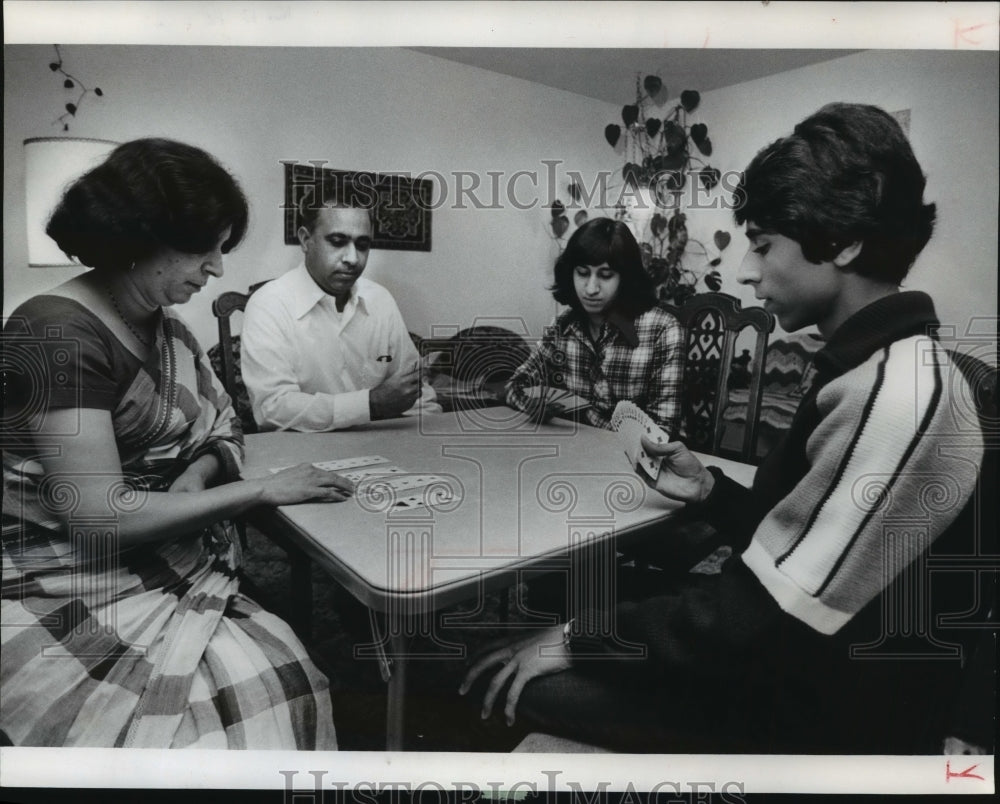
799	645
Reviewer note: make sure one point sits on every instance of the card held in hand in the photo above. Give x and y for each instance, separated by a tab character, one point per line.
632	423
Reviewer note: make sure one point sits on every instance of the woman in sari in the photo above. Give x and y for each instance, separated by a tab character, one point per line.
122	623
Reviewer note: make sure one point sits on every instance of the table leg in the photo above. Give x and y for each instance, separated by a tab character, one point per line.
396	694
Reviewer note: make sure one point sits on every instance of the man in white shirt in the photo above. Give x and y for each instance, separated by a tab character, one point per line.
324	348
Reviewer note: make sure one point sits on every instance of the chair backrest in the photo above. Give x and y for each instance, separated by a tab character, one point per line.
476	361
226	357
712	323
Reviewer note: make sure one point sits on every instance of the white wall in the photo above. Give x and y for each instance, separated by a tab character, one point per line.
953	102
366	109
389	109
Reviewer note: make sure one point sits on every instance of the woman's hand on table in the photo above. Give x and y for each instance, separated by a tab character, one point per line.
682	476
304	483
523	660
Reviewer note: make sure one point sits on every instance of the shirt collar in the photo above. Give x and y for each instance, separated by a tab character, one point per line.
305	294
575	320
885	321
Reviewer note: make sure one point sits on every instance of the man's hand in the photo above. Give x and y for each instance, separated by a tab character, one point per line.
523	660
682	476
396	394
539	411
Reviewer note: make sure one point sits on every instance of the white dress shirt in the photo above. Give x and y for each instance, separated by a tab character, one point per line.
308	367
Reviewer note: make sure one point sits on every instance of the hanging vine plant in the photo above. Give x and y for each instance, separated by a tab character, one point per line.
71	82
663	154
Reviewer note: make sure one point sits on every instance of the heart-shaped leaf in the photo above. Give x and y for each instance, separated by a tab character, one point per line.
68	83
580	218
574	190
657	225
658	269
558	208
722	239
652	126
71	108
674	180
674	137
611	133
709	177
652	84
698	132
705	146
630	114
713	281
683	293
54	65
98	92
560	225
690	100
673	161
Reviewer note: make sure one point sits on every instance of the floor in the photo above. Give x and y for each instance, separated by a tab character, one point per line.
438	719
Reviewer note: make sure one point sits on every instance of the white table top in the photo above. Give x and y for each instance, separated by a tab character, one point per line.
522	494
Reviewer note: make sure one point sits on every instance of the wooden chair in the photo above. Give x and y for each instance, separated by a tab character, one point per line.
225	356
713	322
469	369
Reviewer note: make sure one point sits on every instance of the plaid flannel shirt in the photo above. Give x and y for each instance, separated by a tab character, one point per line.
640	360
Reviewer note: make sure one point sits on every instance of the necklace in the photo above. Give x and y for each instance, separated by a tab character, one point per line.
126	322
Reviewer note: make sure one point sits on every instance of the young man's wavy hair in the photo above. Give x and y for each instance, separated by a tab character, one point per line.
601	241
846	174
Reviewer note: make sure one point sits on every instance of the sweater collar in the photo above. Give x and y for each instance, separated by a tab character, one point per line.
885	321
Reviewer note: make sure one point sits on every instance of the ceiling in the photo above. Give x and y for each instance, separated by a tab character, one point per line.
608	74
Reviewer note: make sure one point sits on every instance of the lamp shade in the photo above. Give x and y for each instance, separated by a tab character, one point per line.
50	165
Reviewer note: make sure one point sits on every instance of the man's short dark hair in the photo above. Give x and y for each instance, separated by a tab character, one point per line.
334	193
846	174
600	241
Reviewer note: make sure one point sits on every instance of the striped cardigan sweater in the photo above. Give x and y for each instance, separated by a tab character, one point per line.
881	459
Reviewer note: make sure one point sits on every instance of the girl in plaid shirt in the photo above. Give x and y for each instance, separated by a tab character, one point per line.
613	343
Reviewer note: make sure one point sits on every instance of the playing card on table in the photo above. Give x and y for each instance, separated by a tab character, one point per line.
631	424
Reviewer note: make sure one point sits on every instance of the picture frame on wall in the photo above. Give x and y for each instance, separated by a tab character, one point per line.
402	205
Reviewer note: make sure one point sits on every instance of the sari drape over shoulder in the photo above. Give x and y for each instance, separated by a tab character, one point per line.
150	645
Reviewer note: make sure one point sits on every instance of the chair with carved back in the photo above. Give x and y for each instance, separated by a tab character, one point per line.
469	369
712	323
225	358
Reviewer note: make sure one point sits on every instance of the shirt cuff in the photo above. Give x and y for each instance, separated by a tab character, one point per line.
350	408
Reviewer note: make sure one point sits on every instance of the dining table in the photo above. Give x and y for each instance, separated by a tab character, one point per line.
448	507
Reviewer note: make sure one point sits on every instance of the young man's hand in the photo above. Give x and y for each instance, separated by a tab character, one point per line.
682	476
521	660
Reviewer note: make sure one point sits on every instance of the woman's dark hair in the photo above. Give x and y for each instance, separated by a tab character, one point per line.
600	241
846	174
148	194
